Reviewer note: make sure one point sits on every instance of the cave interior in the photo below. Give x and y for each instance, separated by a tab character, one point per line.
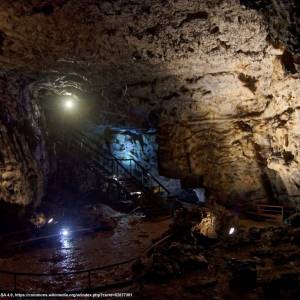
150	148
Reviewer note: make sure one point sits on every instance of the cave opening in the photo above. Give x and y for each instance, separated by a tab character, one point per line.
149	149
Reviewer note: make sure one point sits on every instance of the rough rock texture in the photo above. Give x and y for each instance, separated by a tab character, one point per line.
283	20
226	100
247	151
23	163
142	147
252	263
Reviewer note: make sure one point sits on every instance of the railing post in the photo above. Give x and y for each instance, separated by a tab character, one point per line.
15	282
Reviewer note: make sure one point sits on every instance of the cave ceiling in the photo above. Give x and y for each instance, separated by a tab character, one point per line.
219	79
148	54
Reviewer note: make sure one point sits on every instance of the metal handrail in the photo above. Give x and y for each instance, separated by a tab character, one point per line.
152	177
117	160
145	171
271	211
120	187
88	271
97	152
71	272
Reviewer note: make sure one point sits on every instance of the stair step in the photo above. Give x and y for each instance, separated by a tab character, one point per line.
100	162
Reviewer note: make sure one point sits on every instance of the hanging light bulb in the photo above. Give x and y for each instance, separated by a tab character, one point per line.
69	103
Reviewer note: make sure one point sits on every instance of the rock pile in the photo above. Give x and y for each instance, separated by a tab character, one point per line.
260	263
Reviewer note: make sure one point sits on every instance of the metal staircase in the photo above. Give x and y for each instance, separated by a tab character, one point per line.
134	182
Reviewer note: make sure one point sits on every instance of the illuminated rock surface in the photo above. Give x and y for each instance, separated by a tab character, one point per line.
23	162
217	81
224	97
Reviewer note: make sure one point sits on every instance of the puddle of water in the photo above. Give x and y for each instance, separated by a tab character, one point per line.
82	251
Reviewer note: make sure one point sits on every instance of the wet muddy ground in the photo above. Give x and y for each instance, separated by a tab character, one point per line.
80	250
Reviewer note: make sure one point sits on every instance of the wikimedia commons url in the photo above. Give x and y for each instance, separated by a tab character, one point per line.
66	295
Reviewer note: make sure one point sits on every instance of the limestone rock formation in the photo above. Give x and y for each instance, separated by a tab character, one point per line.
283	19
244	144
23	163
140	146
224	96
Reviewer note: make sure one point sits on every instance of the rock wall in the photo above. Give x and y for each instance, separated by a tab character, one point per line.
141	146
224	95
283	19
23	161
241	132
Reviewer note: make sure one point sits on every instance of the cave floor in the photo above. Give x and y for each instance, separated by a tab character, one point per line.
129	237
261	261
272	250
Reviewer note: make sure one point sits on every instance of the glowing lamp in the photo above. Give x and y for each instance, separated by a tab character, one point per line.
231	230
69	103
65	232
136	193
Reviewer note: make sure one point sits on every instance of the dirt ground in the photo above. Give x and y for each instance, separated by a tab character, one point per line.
80	251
